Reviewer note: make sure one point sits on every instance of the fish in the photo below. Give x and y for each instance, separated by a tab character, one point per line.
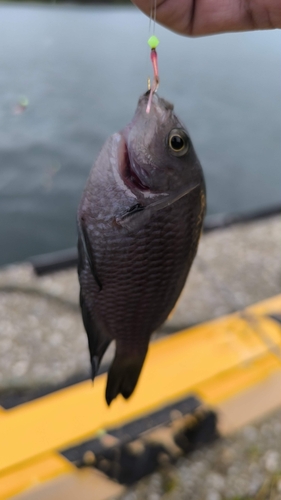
139	223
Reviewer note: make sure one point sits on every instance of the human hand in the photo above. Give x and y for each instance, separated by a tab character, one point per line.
205	17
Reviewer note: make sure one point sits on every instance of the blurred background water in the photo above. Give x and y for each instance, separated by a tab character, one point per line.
71	76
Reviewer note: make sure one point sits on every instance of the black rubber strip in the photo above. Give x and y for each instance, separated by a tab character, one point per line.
135	452
132	430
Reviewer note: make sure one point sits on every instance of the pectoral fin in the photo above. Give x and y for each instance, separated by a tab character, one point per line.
138	214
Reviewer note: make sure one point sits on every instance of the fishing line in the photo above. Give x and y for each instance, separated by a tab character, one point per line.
150	17
153	43
154	15
151	31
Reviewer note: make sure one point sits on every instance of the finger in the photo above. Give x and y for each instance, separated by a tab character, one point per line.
174	14
202	17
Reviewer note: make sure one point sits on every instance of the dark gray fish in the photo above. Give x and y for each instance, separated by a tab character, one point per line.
139	223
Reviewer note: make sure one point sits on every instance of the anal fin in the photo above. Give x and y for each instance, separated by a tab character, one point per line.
98	340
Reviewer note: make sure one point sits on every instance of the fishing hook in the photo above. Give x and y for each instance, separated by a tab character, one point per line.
153	42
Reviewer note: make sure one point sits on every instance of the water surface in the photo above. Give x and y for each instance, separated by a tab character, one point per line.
82	69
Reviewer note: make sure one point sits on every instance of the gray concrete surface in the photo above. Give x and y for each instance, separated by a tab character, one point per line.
41	334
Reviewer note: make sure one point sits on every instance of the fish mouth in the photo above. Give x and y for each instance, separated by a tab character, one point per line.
130	175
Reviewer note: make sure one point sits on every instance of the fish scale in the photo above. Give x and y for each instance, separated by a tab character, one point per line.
133	267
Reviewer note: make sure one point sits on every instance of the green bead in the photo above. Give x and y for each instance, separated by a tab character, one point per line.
153	42
24	102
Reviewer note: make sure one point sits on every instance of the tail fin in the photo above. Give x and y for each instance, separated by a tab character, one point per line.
123	375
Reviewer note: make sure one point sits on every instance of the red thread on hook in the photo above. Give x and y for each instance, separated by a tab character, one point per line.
155	83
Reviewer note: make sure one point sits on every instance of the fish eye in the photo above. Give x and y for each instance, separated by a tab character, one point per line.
178	142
